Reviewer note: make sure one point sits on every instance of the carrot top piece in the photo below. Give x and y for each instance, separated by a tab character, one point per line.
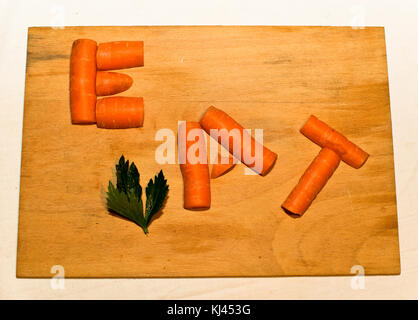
312	182
108	83
120	55
83	81
323	135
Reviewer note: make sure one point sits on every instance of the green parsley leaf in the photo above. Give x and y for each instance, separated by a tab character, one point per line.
126	198
156	192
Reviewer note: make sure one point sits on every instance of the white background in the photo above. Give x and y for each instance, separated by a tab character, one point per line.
400	21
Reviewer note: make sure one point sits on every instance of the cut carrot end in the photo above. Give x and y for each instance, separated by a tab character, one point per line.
272	161
197	207
81	122
290	213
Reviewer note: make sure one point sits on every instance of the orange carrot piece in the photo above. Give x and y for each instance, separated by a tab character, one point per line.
120	55
120	112
312	181
108	83
223	166
323	135
195	175
83	81
215	119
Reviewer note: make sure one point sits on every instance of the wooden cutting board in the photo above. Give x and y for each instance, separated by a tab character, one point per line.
264	77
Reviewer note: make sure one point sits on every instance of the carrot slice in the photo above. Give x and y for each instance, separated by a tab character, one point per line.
216	119
323	135
120	55
312	181
120	112
195	173
223	166
83	81
108	83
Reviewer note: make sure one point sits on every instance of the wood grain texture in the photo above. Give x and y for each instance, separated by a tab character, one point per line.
264	77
